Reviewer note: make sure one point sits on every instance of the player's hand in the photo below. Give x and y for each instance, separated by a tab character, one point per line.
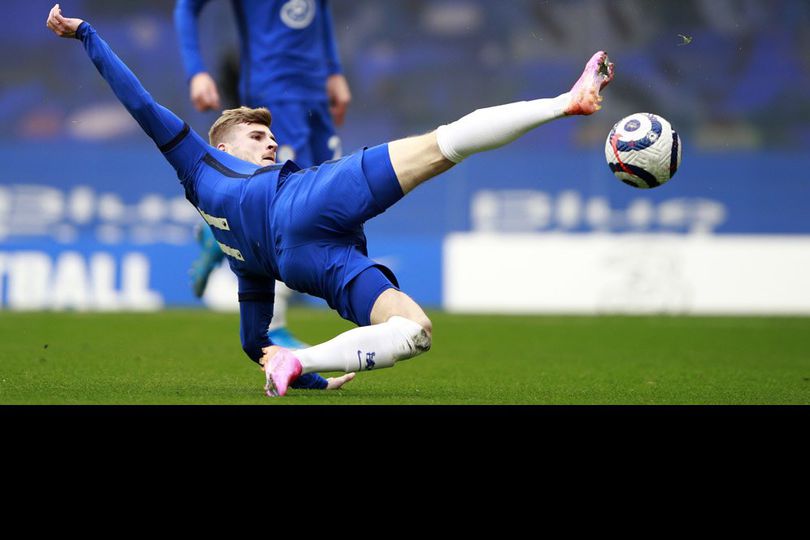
334	383
337	90
204	94
62	26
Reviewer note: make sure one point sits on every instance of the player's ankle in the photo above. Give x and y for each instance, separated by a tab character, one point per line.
269	353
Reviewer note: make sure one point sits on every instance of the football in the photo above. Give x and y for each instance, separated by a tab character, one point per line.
643	150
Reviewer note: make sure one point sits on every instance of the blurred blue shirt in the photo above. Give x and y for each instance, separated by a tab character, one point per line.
287	48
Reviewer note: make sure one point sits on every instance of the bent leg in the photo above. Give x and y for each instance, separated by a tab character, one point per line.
394	303
399	330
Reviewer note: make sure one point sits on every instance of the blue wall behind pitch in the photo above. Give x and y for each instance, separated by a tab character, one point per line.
119	200
78	176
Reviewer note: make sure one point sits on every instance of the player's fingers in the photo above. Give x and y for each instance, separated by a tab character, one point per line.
59	18
211	93
205	102
214	103
199	97
66	25
54	26
210	98
336	383
52	17
338	114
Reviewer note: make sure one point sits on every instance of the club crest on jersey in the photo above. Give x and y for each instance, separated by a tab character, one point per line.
298	14
285	153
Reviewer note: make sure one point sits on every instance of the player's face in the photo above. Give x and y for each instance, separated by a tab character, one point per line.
254	143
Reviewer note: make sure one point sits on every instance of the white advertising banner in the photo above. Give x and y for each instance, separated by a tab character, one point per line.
634	274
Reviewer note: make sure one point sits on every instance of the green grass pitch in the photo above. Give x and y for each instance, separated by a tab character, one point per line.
194	357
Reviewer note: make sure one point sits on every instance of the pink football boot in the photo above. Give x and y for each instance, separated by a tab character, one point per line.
283	369
585	96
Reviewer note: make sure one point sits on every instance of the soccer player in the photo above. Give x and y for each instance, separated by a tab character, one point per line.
289	64
276	221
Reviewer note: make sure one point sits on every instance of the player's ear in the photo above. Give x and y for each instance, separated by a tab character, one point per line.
223	147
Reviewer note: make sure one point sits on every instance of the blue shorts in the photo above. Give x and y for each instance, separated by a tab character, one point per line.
307	128
317	218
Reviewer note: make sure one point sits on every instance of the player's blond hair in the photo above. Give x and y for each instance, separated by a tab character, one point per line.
233	117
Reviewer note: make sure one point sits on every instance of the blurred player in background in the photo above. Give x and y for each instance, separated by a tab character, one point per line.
305	227
289	64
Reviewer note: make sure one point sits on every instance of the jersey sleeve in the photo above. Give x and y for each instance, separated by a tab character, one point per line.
165	128
332	61
185	24
256	298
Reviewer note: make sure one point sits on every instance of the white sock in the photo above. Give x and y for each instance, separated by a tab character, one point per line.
283	294
368	347
487	129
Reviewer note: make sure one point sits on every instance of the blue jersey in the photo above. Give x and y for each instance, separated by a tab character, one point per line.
287	48
304	227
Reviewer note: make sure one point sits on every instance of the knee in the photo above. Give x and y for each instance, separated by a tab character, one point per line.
418	330
427	333
423	337
427	326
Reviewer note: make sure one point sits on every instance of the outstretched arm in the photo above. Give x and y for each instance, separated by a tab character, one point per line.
162	125
203	89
